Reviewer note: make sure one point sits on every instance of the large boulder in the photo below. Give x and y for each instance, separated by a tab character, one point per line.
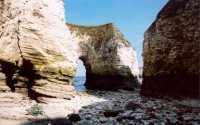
37	51
109	59
171	51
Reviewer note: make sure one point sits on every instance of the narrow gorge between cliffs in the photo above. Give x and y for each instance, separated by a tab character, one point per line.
40	52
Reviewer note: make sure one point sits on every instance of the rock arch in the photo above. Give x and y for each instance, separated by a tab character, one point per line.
31	32
108	57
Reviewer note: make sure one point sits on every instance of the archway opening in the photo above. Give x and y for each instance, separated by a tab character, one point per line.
80	77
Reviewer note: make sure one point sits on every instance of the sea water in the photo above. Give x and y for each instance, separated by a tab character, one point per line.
79	82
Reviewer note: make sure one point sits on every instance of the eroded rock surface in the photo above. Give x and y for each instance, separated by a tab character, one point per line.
171	51
37	52
109	59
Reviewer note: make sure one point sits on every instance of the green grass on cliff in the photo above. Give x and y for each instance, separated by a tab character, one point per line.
99	34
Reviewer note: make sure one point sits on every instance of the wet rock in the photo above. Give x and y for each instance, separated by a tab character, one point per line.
74	117
151	115
179	113
111	113
121	118
131	123
132	106
138	117
88	116
196	123
127	113
98	107
129	117
62	121
180	118
172	120
103	120
188	119
85	122
124	122
151	123
111	119
197	118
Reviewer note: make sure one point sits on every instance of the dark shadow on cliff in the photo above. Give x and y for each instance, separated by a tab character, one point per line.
9	70
112	82
178	85
24	74
28	72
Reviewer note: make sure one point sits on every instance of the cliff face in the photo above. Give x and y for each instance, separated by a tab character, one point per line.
171	51
108	57
37	52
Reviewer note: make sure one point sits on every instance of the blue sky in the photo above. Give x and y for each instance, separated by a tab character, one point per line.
132	18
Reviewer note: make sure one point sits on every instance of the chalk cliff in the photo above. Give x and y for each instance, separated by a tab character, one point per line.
109	59
38	52
171	51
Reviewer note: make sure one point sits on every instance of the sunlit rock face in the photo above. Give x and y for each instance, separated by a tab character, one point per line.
37	51
171	51
109	60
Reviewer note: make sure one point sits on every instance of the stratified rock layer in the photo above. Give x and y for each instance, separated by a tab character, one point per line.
171	51
37	53
109	60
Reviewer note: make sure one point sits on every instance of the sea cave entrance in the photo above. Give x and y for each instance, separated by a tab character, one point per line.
80	77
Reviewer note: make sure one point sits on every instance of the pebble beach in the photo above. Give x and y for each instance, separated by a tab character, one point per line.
106	108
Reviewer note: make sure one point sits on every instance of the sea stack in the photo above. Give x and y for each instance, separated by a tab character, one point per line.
171	51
